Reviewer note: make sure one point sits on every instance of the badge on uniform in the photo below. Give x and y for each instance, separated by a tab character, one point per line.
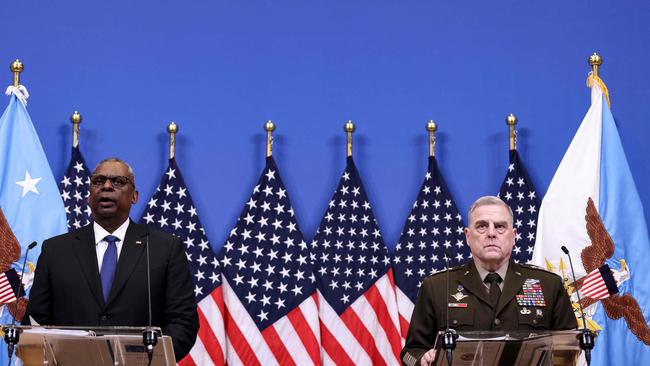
459	295
457	305
532	294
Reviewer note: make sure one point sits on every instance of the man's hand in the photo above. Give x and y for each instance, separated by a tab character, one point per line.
428	357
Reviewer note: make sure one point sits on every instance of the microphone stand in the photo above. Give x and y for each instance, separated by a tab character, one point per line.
449	336
586	337
149	335
12	333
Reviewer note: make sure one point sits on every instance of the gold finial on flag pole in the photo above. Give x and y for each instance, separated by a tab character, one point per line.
76	120
349	129
432	127
16	67
511	121
595	61
172	128
269	127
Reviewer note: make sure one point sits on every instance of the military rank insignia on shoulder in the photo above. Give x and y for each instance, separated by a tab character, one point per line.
535	267
452	269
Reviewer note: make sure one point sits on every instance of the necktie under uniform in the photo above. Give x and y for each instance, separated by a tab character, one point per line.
109	265
493	279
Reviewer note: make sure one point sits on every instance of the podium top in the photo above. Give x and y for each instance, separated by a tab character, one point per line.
110	346
512	348
514	335
84	331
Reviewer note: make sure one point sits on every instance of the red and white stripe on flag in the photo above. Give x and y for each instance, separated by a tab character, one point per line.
6	292
292	340
209	348
367	332
594	286
405	308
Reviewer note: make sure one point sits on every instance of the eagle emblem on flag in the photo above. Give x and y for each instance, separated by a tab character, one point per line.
9	253
601	282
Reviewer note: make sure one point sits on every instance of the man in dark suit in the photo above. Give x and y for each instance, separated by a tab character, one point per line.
490	292
97	275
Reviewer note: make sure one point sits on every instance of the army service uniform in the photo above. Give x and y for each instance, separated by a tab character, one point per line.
531	299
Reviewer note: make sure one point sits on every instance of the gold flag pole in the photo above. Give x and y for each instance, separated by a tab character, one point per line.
16	67
511	121
432	127
172	129
269	127
76	119
595	61
349	129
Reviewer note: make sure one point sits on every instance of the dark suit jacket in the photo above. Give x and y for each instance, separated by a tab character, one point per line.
471	309
67	288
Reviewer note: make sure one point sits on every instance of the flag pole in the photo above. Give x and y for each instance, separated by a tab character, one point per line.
16	67
76	119
511	121
172	129
349	129
595	61
432	127
269	127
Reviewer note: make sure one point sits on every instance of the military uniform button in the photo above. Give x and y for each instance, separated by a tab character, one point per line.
497	321
534	321
455	322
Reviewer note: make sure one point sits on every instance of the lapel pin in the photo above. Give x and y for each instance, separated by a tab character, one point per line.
139	242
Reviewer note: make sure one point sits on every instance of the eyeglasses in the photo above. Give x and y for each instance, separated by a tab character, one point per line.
117	181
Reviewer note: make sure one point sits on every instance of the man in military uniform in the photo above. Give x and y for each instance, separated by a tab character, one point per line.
490	292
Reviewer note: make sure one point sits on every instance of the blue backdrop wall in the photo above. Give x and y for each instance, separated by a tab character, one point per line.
221	69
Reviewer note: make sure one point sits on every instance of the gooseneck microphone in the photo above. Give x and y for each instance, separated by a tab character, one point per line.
149	335
12	333
586	337
449	336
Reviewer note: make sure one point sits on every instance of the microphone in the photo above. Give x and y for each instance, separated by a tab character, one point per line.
12	333
149	335
586	337
449	336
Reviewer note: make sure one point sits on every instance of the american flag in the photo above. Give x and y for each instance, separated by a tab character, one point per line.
172	210
9	284
599	283
269	286
433	228
74	191
519	193
358	309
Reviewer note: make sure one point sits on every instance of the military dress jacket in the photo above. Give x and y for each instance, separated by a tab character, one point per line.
532	299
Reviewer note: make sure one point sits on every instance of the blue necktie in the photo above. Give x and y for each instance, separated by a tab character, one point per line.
109	264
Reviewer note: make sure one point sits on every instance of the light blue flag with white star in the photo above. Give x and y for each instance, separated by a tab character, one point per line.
29	196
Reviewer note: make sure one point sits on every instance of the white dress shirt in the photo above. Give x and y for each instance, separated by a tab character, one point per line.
101	245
